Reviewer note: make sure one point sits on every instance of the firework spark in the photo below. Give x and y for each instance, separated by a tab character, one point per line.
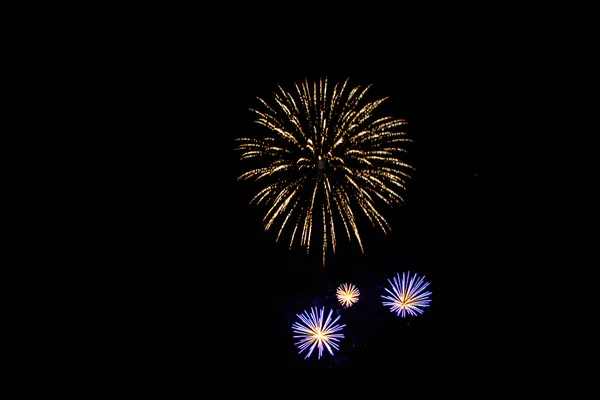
313	332
347	294
407	295
328	156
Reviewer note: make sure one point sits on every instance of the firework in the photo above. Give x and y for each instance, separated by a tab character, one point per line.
327	156
313	332
407	295
347	294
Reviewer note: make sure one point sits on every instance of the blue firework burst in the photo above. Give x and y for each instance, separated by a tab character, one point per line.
314	332
407	295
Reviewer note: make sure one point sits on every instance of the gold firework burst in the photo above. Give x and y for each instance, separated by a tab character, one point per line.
328	155
347	294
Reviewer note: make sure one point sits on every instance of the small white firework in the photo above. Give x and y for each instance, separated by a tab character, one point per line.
347	294
313	332
407	295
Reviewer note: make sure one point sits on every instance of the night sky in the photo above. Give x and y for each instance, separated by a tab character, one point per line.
233	292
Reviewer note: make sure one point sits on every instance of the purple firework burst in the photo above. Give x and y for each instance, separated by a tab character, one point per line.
314	332
407	295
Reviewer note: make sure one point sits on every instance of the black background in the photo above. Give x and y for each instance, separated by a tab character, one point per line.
232	292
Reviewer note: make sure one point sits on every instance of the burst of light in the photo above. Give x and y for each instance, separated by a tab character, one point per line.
407	295
347	294
313	332
328	155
